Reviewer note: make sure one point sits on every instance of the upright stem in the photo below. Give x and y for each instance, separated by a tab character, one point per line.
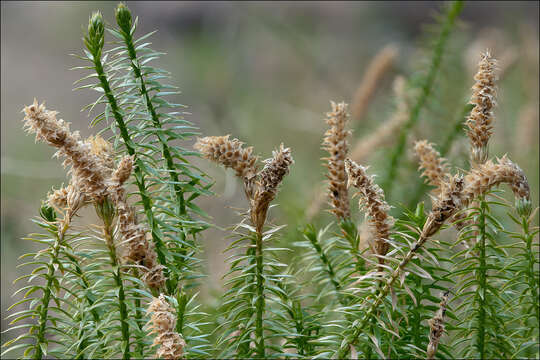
427	87
85	286
533	279
481	275
328	266
43	314
259	333
128	39
117	274
139	176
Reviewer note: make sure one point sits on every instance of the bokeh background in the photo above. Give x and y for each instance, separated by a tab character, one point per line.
264	72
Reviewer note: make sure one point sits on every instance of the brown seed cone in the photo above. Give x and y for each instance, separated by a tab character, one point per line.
372	200
450	201
433	166
436	325
376	69
163	322
137	249
480	119
103	150
268	182
229	153
335	142
482	178
85	167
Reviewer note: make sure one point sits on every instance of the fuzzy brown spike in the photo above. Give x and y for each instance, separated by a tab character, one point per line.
137	248
269	179
486	176
85	166
449	202
433	166
480	119
335	142
103	150
436	325
372	200
229	153
163	322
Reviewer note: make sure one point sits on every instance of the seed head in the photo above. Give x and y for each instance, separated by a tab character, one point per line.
268	182
485	176
479	122
372	200
163	322
229	153
86	168
335	142
449	201
433	166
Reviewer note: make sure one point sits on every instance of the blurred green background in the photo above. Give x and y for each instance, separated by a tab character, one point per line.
263	72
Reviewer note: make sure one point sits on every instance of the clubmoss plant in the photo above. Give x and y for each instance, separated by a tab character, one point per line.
125	282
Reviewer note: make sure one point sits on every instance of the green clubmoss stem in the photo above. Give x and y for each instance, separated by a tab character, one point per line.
426	91
94	44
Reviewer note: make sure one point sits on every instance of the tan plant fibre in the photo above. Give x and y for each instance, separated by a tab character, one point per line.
366	145
229	153
86	168
436	325
482	178
372	201
335	143
480	119
376	69
433	165
268	182
103	150
137	248
163	323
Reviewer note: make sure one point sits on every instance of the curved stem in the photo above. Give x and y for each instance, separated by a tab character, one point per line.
426	90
